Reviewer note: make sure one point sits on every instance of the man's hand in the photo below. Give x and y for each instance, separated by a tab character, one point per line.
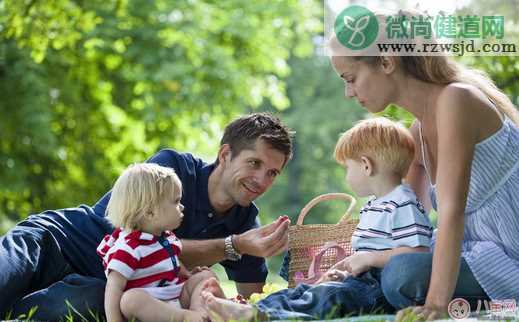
265	241
356	264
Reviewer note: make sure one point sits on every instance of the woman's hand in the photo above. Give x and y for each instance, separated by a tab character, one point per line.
421	313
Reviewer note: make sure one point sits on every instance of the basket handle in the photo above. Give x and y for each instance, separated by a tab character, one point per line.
315	265
314	271
328	196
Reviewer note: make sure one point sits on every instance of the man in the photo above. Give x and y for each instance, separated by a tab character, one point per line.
49	260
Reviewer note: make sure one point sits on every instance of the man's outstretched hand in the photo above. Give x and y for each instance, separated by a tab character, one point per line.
265	241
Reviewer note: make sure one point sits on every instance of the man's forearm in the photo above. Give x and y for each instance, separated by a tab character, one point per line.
246	289
380	258
202	252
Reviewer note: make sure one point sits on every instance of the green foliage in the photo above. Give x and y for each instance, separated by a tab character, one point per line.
502	69
397	113
91	86
95	85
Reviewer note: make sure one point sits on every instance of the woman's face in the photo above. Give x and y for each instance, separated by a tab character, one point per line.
370	85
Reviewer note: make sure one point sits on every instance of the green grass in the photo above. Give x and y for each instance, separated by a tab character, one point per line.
229	287
230	291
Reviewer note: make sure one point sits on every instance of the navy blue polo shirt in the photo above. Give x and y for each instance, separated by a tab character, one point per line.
78	231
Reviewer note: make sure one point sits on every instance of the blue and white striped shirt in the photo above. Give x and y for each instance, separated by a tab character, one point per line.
394	220
491	240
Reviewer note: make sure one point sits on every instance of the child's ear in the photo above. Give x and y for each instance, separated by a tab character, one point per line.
367	166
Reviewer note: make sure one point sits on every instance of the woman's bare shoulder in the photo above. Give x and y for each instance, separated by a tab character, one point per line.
462	94
459	100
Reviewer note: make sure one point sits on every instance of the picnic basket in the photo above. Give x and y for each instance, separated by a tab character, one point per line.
307	241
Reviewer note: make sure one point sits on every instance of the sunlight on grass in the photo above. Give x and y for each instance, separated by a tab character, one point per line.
229	287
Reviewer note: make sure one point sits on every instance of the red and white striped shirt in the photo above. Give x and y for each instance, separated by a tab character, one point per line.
143	261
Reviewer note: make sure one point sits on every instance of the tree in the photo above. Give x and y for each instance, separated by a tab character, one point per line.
95	85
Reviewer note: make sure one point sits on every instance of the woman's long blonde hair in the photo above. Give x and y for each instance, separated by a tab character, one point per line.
444	70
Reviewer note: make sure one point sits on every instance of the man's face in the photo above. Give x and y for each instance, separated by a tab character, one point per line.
249	174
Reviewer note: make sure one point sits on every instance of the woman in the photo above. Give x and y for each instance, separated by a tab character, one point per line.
467	163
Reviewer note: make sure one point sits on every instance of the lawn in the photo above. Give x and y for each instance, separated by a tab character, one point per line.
275	280
229	288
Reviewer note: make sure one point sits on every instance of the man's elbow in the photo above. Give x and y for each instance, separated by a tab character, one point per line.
247	289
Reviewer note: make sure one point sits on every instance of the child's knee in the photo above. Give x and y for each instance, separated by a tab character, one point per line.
131	302
198	279
204	275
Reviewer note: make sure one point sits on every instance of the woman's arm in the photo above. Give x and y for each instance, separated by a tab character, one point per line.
115	285
457	136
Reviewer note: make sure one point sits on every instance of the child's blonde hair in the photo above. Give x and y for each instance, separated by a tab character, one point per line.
137	193
380	139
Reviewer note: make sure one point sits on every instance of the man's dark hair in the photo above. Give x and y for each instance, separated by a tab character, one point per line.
243	132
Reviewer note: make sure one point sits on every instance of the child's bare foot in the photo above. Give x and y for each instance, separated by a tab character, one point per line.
220	309
212	286
194	316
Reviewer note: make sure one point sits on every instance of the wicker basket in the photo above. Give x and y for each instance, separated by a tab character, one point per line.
305	241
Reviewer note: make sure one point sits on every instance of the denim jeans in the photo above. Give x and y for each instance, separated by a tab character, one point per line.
353	296
35	273
405	281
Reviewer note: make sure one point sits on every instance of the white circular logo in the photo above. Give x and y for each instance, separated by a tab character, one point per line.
356	27
459	309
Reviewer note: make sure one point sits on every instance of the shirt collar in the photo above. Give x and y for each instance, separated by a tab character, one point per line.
204	204
398	190
235	216
139	235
